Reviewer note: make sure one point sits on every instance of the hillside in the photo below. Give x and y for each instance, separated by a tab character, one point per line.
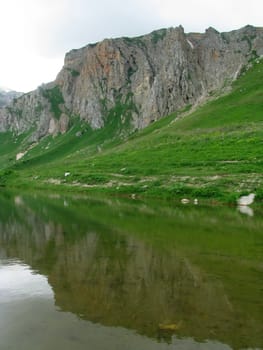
141	79
213	151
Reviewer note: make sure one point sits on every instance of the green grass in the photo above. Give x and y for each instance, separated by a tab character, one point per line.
214	152
243	105
55	98
158	35
10	146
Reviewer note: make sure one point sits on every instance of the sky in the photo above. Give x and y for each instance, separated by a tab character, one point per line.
36	34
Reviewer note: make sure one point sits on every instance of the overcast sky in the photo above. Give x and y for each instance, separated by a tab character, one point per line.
36	34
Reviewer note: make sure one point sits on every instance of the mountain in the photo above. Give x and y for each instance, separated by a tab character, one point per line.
7	96
138	80
92	128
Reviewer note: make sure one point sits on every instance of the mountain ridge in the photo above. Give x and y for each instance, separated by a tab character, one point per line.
210	148
139	80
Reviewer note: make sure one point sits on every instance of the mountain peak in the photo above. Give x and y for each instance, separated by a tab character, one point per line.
138	80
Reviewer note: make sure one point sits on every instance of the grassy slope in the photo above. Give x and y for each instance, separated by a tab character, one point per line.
214	152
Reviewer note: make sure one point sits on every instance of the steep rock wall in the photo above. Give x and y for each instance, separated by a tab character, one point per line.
152	75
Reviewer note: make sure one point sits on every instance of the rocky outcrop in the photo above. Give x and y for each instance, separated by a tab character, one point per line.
41	111
138	80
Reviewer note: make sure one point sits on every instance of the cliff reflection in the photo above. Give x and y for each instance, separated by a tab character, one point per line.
110	274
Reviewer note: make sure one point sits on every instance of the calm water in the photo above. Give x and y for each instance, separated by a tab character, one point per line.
79	273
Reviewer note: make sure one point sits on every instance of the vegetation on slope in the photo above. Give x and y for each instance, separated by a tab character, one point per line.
213	152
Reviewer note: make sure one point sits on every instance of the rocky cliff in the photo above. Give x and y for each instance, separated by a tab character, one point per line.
138	80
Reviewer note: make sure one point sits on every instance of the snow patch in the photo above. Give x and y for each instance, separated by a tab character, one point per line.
237	72
20	155
191	44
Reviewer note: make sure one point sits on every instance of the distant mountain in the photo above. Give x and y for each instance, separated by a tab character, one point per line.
7	96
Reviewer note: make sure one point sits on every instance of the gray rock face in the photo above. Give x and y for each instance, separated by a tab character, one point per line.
148	76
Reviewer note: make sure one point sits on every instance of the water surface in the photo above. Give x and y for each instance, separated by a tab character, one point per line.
82	273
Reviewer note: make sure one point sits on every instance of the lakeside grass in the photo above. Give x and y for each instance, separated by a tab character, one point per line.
214	152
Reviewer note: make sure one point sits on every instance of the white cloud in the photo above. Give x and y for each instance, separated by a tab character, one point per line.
19	282
35	34
25	71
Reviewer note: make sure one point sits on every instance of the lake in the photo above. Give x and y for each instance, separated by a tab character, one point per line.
78	272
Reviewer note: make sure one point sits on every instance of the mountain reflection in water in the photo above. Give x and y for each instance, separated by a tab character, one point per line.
137	266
